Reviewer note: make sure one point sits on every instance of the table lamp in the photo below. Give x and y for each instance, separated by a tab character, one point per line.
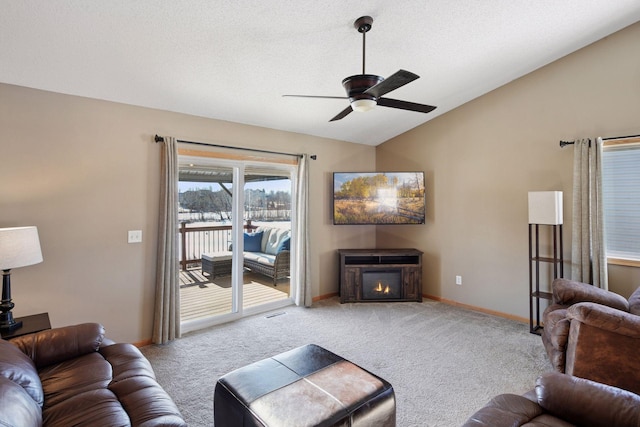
19	247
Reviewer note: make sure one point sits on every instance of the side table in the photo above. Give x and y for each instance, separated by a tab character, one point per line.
30	324
217	263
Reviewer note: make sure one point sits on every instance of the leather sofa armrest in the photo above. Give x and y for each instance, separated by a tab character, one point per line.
60	344
587	403
603	346
568	292
606	318
505	410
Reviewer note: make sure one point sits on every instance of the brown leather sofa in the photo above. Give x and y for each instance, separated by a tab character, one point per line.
595	334
73	376
561	400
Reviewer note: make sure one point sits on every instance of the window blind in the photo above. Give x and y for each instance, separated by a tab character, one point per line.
621	196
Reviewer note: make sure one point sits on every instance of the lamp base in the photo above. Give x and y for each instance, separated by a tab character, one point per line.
7	323
10	324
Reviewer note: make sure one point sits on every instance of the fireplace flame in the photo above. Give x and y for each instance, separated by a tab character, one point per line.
382	289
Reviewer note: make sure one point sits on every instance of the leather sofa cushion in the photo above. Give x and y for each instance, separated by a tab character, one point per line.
64	381
17	367
137	389
115	386
17	408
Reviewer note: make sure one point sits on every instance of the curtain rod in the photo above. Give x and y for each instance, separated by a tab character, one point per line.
564	143
159	138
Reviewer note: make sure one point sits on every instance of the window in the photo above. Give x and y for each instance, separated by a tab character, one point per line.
621	194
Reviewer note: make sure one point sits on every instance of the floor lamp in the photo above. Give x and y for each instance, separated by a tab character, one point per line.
545	209
19	247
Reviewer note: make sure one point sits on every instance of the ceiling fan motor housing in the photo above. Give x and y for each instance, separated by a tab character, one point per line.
358	84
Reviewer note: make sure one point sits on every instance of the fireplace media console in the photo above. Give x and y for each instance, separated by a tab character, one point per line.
369	275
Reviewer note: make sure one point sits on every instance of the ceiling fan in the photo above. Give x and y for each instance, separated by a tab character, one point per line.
365	91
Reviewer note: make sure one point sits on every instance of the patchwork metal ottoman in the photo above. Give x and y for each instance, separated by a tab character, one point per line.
307	386
217	264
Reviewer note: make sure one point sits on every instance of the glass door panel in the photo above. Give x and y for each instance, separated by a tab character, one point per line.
206	228
266	256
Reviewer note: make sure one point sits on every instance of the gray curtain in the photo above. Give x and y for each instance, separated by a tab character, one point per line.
166	322
303	273
588	254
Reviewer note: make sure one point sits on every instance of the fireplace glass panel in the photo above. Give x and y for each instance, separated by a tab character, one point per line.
381	284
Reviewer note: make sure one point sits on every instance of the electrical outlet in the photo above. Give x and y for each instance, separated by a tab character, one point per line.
135	236
458	280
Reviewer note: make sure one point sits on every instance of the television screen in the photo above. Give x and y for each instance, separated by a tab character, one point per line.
378	198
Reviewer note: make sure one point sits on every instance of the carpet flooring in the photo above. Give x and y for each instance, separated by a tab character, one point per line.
444	362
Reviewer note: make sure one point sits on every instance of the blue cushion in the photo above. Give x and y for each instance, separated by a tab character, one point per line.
284	245
253	242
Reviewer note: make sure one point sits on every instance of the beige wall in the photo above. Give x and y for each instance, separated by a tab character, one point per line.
86	171
482	159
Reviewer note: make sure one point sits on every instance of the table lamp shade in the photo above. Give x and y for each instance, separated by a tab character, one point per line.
19	247
545	207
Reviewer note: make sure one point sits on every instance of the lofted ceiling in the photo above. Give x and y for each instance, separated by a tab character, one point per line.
234	59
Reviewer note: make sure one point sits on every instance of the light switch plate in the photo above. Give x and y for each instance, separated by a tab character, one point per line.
135	236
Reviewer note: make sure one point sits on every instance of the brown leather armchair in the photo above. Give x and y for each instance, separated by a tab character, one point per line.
595	334
563	401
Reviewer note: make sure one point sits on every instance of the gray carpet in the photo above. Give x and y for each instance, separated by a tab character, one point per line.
444	362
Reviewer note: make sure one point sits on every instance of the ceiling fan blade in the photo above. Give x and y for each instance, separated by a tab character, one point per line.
393	82
405	105
342	114
317	96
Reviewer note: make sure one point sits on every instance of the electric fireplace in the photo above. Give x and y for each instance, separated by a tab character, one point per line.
371	275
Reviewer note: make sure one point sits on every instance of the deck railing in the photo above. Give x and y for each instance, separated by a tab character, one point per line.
194	241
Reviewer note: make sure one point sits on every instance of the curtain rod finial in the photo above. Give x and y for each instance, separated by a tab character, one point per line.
158	138
313	157
564	143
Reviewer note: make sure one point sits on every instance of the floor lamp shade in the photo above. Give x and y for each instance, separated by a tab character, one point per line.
545	207
19	247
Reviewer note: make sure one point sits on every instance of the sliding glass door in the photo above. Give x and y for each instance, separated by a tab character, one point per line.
235	237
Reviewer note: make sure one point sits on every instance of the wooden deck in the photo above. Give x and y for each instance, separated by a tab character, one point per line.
200	297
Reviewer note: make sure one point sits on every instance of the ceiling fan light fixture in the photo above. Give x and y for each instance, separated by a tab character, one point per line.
363	105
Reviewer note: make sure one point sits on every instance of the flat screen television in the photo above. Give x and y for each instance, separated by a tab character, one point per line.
378	198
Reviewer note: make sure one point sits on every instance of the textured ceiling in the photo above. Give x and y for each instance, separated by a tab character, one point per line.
234	59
